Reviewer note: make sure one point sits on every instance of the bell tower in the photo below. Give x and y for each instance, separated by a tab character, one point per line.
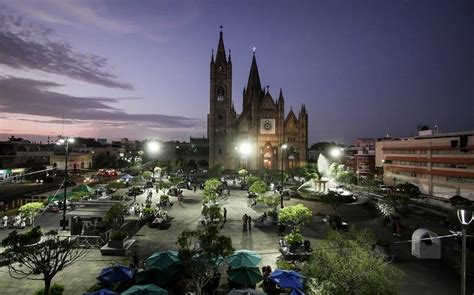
221	112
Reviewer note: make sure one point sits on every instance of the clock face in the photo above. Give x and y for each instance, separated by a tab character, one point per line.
267	126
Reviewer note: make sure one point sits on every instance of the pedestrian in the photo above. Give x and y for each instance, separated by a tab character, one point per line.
225	214
135	260
228	192
195	187
244	222
249	219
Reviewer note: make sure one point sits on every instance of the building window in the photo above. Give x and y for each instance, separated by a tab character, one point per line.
220	93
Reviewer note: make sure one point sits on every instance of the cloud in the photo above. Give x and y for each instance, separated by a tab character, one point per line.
82	14
33	97
24	45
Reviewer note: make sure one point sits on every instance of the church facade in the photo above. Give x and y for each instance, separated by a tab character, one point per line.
263	136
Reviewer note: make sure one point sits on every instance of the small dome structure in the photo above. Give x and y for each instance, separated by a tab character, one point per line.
425	244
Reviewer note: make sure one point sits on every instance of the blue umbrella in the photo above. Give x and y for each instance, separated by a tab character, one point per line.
287	279
296	292
104	291
115	274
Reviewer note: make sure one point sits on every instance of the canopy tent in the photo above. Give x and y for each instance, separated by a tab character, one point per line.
244	258
115	274
83	188
126	177
149	289
425	244
287	279
164	260
104	291
59	197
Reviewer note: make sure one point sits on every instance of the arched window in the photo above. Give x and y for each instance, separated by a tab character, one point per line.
220	93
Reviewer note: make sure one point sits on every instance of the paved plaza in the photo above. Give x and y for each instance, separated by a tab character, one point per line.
421	276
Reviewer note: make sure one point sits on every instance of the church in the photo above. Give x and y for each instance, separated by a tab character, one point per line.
263	136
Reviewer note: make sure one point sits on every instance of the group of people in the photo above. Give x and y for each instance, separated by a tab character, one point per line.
16	222
246	222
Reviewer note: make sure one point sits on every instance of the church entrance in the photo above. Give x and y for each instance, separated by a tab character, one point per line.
267	161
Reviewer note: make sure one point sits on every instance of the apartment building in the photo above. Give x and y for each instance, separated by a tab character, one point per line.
440	164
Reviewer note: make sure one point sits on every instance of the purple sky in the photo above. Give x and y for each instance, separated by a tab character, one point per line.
140	69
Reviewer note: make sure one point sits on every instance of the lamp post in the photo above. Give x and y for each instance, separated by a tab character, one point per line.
283	148
465	217
65	141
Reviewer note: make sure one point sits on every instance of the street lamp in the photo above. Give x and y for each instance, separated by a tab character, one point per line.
245	150
153	146
65	141
283	148
336	152
464	213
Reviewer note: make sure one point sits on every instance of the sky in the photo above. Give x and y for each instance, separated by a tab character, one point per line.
140	69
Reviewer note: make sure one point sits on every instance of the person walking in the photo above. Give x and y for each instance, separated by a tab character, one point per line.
244	222
225	214
195	188
135	260
249	220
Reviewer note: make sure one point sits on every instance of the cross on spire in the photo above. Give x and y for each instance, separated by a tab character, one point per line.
221	27
254	49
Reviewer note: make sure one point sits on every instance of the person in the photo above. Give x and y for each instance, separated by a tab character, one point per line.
225	214
195	188
135	259
244	222
249	220
228	192
254	203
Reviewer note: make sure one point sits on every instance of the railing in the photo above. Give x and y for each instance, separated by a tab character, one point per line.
86	241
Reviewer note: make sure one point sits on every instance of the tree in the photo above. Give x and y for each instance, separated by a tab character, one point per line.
202	252
77	196
217	170
30	210
408	189
134	191
211	187
335	169
332	199
115	216
46	258
251	179
164	186
295	216
344	263
258	187
243	173
114	185
346	178
147	174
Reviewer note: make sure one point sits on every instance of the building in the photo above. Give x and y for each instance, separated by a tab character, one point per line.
24	154
440	164
76	161
362	160
253	139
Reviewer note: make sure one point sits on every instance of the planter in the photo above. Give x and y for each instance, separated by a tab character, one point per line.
116	244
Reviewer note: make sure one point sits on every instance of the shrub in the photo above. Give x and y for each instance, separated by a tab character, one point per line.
282	264
294	238
118	235
56	289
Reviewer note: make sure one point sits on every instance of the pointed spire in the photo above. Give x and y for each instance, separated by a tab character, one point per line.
303	109
220	55
254	78
243	92
281	100
212	56
230	59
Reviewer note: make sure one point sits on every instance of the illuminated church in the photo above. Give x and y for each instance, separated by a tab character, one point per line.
263	136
